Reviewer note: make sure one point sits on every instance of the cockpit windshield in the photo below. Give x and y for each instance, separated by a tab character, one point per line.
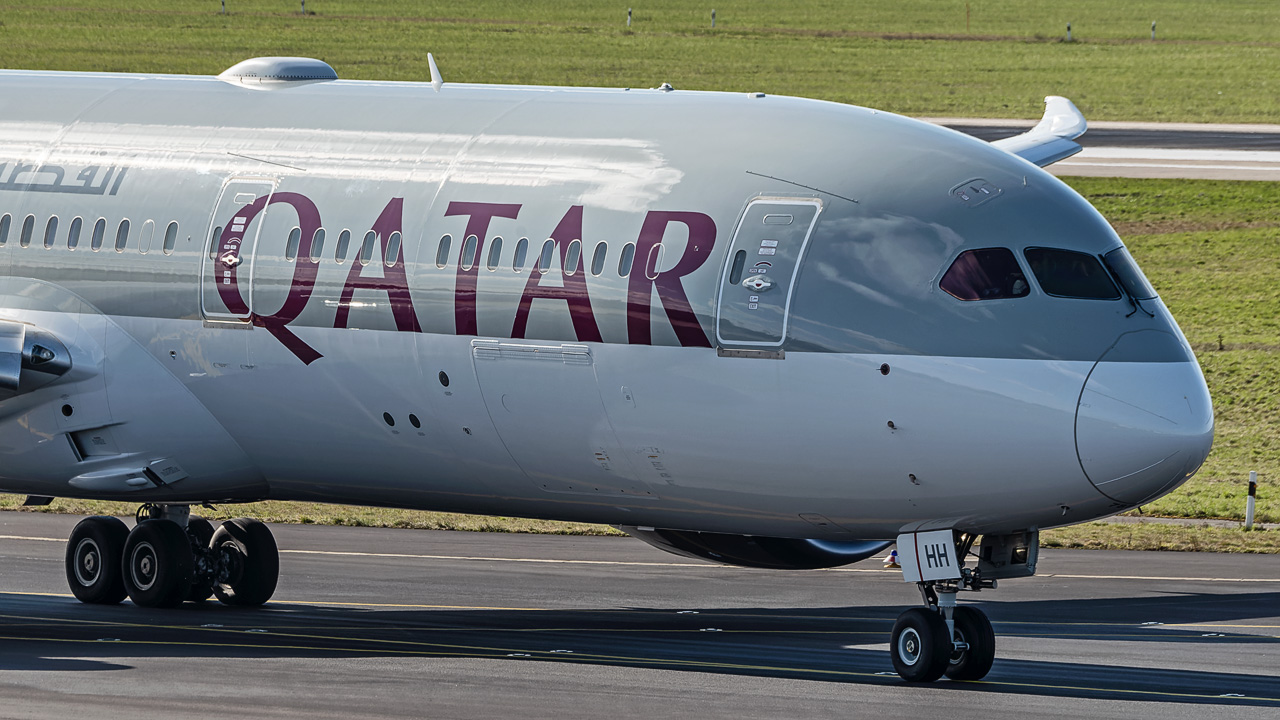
1071	274
987	274
1121	264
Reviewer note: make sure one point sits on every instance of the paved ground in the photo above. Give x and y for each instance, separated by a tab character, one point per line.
400	623
1170	150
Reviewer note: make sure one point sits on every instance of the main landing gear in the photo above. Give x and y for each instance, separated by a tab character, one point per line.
943	638
169	558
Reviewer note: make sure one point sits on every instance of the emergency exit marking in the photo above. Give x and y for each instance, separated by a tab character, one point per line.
768	251
752	306
754	298
768	243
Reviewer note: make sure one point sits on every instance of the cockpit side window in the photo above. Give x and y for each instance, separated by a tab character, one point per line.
1071	274
1122	266
986	274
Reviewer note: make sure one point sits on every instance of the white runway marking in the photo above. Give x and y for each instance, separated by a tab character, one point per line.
1172	163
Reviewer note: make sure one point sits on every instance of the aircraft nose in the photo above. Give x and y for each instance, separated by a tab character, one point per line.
1145	420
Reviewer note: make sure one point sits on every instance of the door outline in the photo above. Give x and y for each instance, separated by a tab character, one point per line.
228	205
791	282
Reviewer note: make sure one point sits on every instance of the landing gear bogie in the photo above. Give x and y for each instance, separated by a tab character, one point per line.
170	557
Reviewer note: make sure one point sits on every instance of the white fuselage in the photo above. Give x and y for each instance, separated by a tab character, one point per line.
222	335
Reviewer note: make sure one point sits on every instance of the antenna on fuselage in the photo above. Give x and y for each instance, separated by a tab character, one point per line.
436	81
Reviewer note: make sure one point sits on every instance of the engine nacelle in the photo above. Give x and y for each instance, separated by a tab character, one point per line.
29	358
758	552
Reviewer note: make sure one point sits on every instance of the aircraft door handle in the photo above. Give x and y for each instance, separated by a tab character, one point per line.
757	283
230	259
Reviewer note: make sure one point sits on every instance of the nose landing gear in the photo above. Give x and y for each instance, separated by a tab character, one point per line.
170	557
943	638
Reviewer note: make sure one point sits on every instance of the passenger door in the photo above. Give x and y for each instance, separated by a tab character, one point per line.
760	270
226	284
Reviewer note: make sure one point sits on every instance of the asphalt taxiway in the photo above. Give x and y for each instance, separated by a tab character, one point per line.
1154	150
402	623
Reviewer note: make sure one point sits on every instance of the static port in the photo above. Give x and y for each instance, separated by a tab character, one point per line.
67	410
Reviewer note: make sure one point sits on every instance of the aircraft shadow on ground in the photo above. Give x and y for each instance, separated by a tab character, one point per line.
822	644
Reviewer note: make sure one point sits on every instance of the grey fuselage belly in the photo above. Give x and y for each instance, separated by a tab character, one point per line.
524	301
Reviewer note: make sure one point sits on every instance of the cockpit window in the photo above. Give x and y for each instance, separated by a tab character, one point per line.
1121	264
1067	273
987	274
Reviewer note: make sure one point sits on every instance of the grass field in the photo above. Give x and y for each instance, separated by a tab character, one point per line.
1212	61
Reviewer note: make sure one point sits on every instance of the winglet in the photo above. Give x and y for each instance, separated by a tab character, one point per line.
1051	139
436	82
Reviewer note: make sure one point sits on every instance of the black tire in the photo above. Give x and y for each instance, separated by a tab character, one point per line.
157	564
250	560
919	646
972	627
94	551
200	534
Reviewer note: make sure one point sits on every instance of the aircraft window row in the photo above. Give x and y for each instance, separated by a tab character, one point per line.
76	227
994	273
467	258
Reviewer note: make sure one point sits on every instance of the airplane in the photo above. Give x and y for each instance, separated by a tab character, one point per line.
764	331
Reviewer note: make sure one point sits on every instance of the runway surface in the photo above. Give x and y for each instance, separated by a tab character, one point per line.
1155	150
402	623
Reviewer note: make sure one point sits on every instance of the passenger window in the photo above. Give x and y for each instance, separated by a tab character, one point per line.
291	245
5	222
1067	273
144	241
170	238
344	241
624	262
393	249
468	259
597	260
122	235
544	259
28	227
50	232
654	262
317	245
988	274
100	231
572	256
735	270
495	254
1121	265
522	251
73	234
366	248
442	251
